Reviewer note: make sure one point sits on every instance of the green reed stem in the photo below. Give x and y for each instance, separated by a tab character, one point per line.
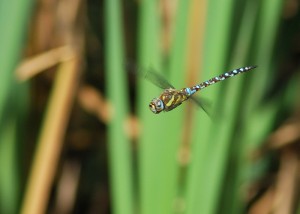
14	17
161	134
120	159
209	152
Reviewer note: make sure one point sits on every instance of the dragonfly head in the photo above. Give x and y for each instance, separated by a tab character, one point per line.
156	105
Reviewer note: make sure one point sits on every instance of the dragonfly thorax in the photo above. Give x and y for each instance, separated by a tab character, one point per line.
156	105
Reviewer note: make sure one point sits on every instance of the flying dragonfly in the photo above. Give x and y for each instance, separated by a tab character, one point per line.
171	98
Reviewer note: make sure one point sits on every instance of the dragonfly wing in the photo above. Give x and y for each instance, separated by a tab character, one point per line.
158	80
154	77
202	103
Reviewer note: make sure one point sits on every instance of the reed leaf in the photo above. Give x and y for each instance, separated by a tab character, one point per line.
209	155
14	18
117	93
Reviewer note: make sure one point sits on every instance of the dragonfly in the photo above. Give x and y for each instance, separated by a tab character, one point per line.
171	97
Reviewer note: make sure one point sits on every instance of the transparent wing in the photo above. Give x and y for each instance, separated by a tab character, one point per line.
203	104
152	76
157	79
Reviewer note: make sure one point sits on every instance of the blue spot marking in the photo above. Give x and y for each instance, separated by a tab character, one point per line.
189	91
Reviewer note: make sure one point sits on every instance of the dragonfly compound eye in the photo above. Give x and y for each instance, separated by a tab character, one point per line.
156	106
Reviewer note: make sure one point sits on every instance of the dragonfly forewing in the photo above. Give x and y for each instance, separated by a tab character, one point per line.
158	80
151	75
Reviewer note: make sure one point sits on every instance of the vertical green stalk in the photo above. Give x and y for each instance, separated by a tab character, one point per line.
10	184
14	17
149	56
173	122
117	91
233	102
263	47
208	151
161	134
258	120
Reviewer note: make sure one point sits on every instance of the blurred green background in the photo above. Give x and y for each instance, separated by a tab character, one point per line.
76	133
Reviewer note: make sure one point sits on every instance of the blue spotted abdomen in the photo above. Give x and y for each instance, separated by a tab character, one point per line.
220	78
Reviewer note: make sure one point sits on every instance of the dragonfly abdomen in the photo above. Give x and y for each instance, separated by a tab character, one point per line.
221	77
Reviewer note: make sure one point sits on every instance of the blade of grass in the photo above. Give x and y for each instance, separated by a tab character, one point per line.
10	186
197	16
37	64
263	47
150	143
205	173
51	138
173	121
13	23
11	133
257	123
158	155
258	120
195	28
117	92
232	101
11	43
